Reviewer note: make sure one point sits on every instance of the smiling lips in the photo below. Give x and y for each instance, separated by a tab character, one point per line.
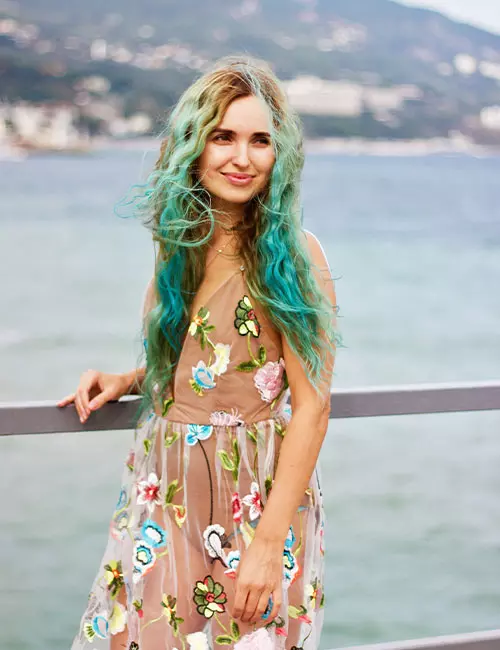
238	179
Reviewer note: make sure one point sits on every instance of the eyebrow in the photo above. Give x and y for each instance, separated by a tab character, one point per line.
230	132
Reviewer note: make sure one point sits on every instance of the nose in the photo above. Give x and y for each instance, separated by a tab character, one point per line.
241	155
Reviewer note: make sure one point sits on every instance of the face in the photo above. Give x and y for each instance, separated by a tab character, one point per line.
238	157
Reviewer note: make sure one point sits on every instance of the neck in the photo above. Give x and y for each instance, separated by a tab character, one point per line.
227	215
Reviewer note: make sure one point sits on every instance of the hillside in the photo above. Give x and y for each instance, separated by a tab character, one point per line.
377	42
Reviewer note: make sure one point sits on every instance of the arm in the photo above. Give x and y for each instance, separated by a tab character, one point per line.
307	428
260	572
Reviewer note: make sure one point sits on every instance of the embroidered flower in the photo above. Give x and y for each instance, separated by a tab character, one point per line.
232	561
253	501
113	575
122	499
225	419
121	522
98	627
117	619
153	534
203	378
144	559
290	538
246	319
148	492
290	567
197	641
180	514
198	432
215	539
222	353
169	603
237	508
130	460
138	608
253	640
199	322
314	594
269	379
209	597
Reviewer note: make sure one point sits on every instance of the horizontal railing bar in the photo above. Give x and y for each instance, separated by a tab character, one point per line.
473	641
45	417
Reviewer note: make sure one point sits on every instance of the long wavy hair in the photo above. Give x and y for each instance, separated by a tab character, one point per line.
272	242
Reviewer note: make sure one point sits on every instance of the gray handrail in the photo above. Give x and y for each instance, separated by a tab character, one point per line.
22	418
489	640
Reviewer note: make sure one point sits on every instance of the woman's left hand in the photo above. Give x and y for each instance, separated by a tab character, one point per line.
259	576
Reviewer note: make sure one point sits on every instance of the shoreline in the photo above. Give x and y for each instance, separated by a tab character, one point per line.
336	146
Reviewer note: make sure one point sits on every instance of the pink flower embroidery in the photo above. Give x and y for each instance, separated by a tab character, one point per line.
269	379
253	501
225	419
237	508
259	640
148	492
280	631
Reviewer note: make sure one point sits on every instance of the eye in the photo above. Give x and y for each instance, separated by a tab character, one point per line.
224	137
263	140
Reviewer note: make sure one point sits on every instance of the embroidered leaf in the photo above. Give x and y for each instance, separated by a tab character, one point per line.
203	312
294	612
147	445
322	602
223	639
279	429
197	389
268	484
246	366
171	490
209	328
251	435
166	406
262	355
169	440
235	630
236	458
227	463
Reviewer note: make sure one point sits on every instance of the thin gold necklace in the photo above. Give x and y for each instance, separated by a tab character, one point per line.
219	251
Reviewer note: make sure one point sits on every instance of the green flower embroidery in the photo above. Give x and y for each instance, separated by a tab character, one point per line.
209	597
113	575
246	319
199	326
170	605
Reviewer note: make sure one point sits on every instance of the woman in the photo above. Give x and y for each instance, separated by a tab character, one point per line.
218	530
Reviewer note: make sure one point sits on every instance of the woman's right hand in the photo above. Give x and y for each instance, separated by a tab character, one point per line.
95	389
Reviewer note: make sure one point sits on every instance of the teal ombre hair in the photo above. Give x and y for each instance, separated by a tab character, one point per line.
272	242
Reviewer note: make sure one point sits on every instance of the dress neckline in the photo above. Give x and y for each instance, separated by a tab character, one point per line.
214	293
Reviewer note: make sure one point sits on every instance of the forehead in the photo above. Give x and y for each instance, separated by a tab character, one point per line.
246	114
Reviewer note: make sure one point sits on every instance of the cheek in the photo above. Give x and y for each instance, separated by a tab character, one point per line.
212	159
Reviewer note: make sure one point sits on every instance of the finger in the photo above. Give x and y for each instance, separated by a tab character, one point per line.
239	600
67	400
79	407
276	597
100	400
86	383
251	605
264	607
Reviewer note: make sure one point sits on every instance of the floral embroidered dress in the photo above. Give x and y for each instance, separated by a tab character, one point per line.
195	484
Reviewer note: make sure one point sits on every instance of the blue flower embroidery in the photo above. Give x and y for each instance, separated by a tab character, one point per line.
198	432
122	499
290	539
100	626
153	534
203	376
143	559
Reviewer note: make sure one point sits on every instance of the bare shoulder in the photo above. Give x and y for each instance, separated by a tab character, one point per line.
316	251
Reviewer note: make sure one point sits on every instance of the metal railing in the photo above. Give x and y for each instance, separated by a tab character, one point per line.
26	418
